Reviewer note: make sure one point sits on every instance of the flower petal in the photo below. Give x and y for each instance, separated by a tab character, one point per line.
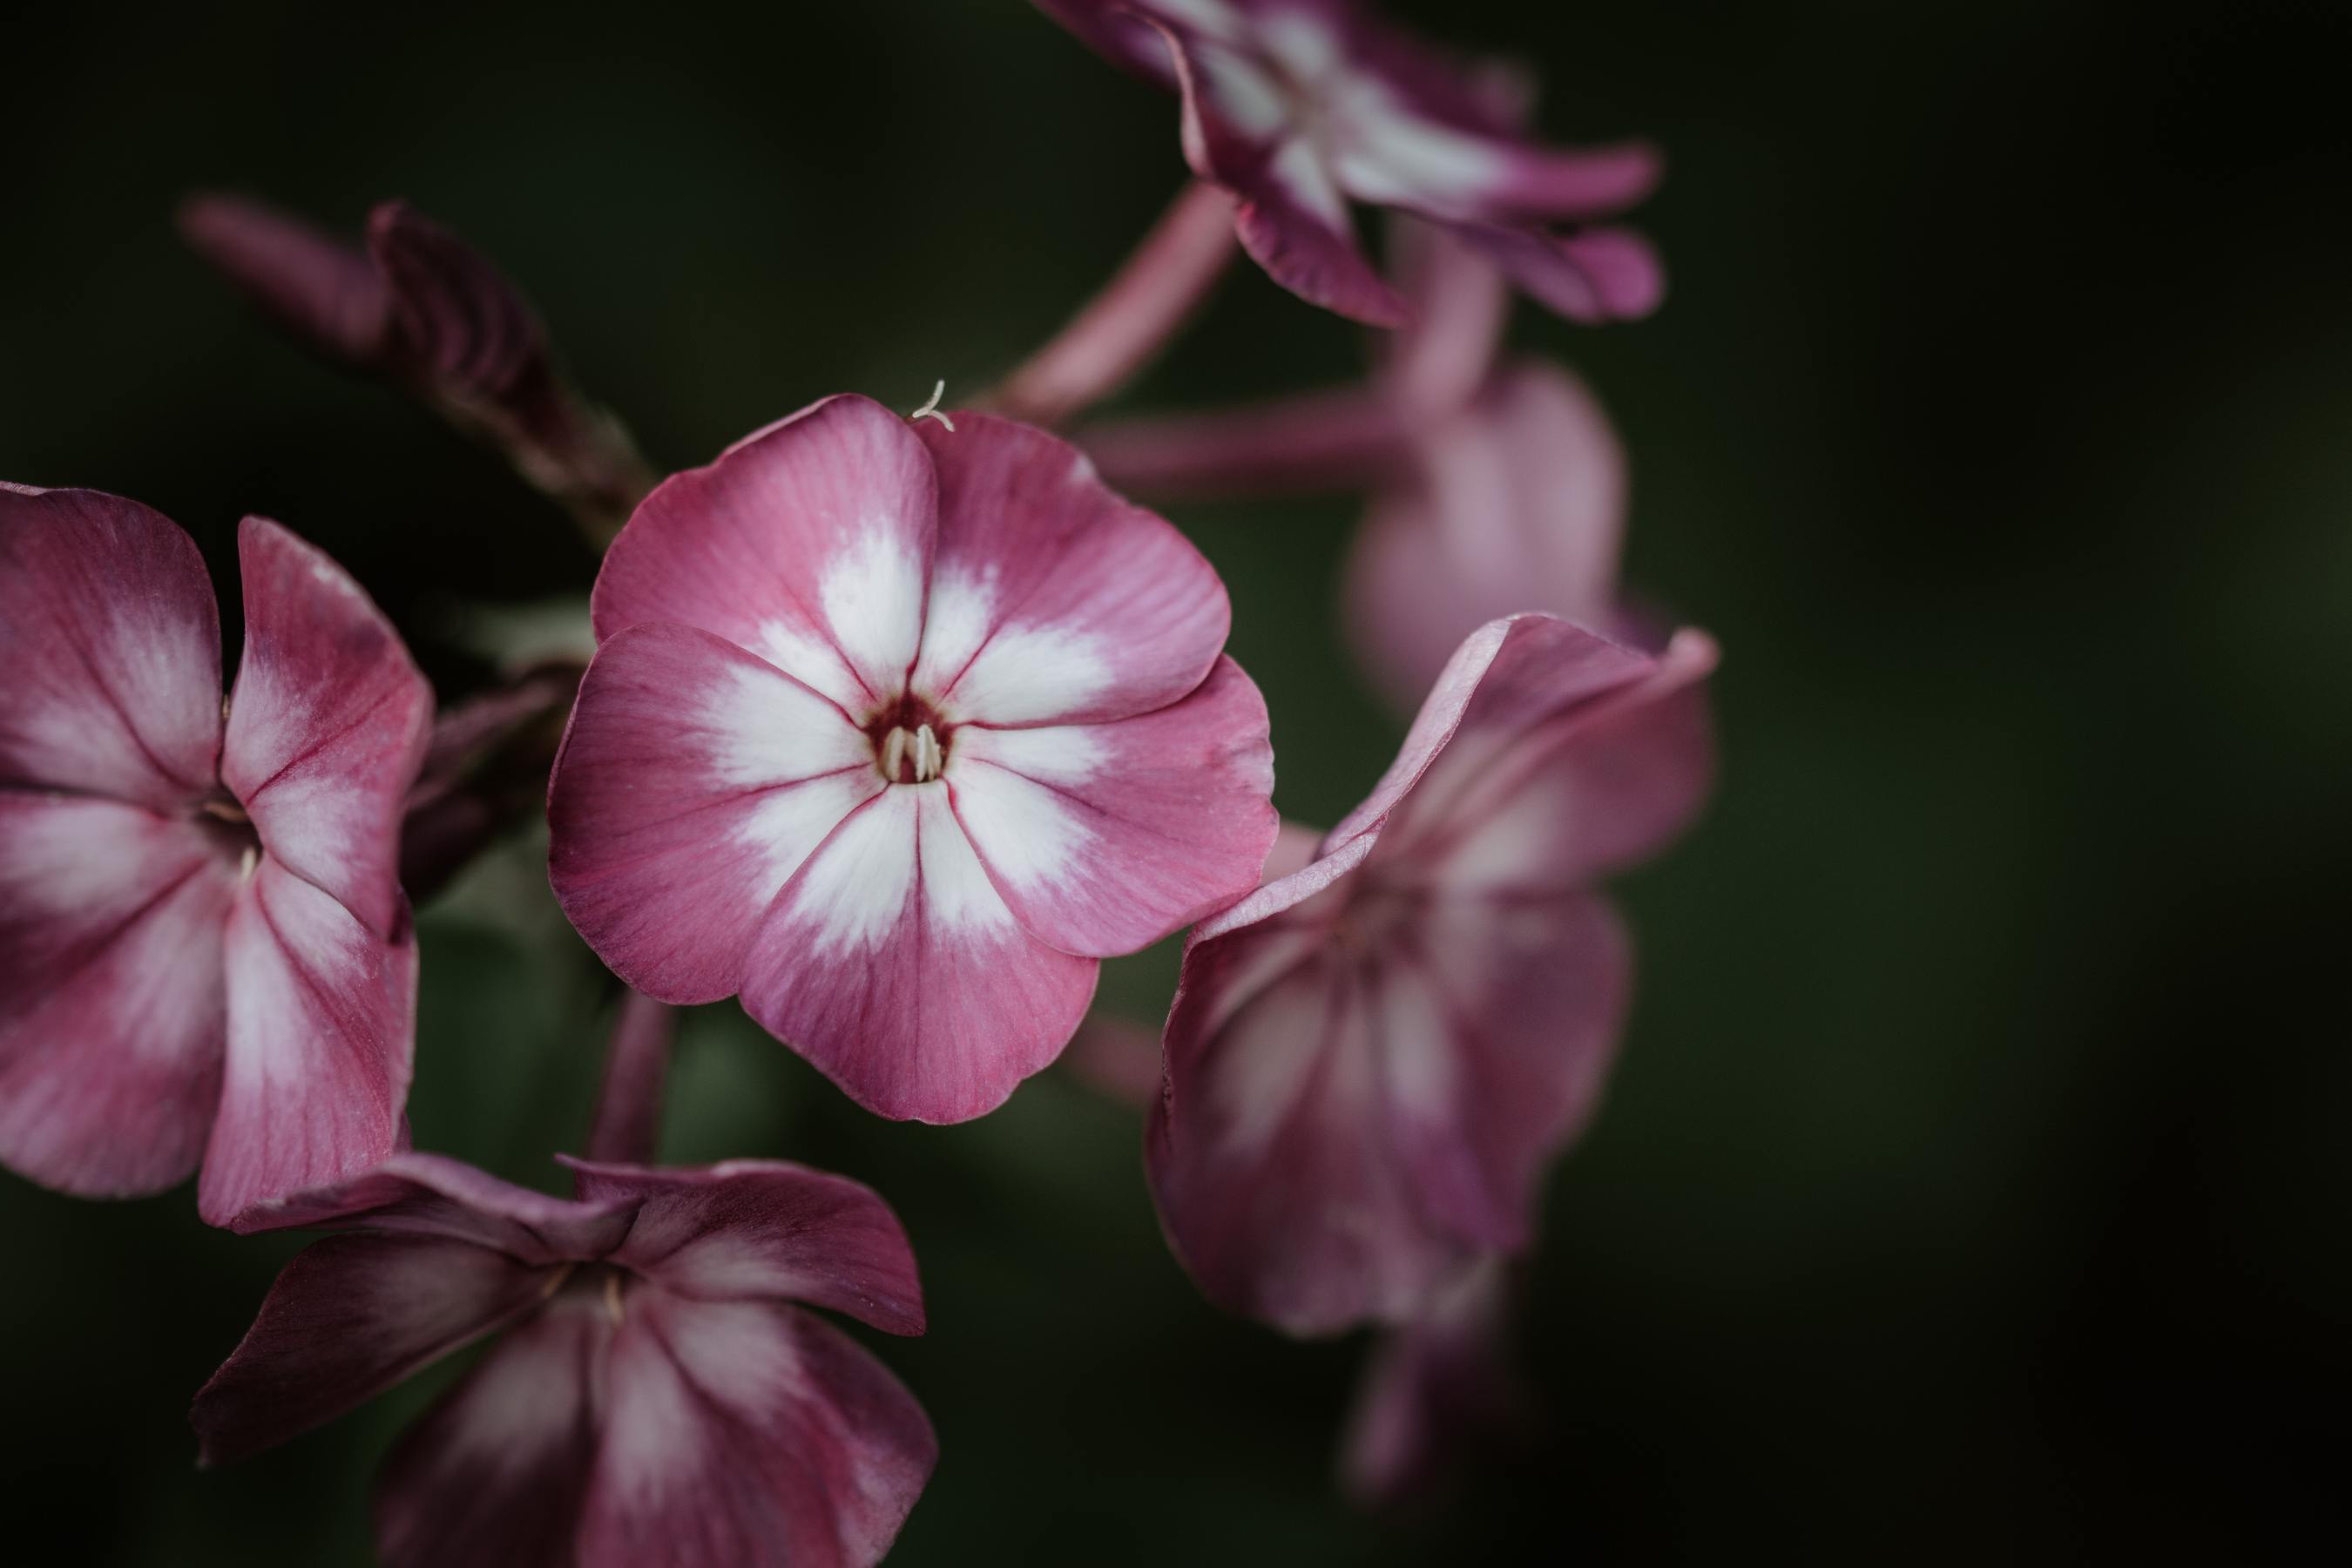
694	781
1053	600
348	1318
1103	838
327	724
749	1229
808	544
1294	222
495	1474
110	1012
893	966
1520	506
410	1193
463	327
111	642
1434	1391
321	1020
750	1433
1551	781
1590	275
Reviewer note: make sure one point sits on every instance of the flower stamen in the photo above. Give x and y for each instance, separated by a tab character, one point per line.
932	410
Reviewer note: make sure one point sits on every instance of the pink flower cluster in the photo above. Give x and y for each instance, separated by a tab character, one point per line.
896	726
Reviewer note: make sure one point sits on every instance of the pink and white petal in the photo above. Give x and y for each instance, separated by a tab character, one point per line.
1506	677
753	1229
348	1318
111	1011
327	725
1294	222
1552	781
495	1474
1053	600
1520	506
1103	838
412	1193
808	544
1496	1021
694	780
1389	156
752	1433
892	964
1272	1154
1589	275
321	1036
111	642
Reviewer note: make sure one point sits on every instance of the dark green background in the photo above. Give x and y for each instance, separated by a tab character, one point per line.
1974	1183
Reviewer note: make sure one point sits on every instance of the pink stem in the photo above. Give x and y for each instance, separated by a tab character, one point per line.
628	1108
1346	439
1132	318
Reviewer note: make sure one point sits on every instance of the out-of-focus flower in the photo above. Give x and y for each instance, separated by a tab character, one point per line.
205	954
896	731
1370	1061
1494	488
420	308
1435	1391
1300	107
659	1394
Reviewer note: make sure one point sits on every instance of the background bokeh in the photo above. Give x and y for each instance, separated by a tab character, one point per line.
1974	1183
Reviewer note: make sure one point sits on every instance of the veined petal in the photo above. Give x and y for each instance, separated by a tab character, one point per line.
1520	505
892	964
694	781
349	1317
111	1011
1272	1153
111	642
1103	838
412	1193
753	1229
1294	222
1589	275
752	1433
327	724
495	1474
808	544
1053	600
321	1021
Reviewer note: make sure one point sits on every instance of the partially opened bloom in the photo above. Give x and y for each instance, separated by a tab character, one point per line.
657	1395
420	308
205	954
1301	106
896	731
1371	1060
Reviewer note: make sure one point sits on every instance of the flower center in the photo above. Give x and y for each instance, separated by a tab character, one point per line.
224	823
910	756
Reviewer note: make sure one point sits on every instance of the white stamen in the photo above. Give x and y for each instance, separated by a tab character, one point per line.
928	757
932	410
894	753
252	859
613	1298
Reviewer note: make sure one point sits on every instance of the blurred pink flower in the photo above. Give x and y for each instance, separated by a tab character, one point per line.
657	1395
422	308
1298	107
1435	1390
205	954
1371	1059
896	731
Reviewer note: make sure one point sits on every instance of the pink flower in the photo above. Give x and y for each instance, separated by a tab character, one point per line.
1300	107
422	308
203	950
896	731
1371	1060
657	1396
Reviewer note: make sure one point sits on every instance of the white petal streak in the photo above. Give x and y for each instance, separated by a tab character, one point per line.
772	731
1028	674
788	823
958	899
1032	835
852	893
873	597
